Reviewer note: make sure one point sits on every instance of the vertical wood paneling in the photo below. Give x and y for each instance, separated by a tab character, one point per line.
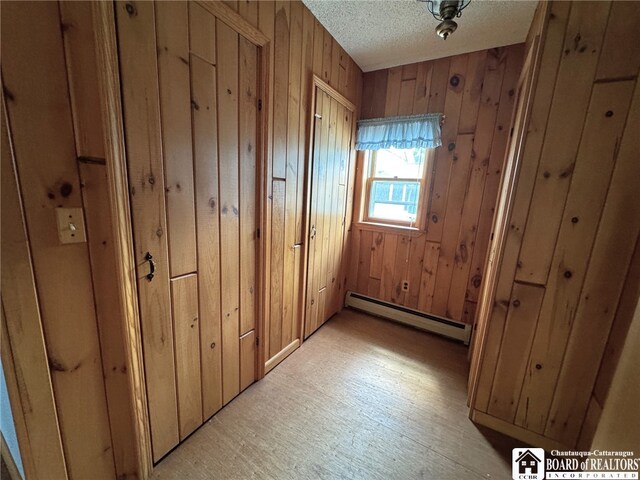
460	170
335	63
321	131
318	40
138	66
388	266
305	112
266	24
530	155
228	149
423	88
334	218
474	87
22	335
377	95
172	30
247	359
353	264
298	293
445	154
407	92
39	117
248	64
83	79
365	261
400	269
202	33
184	296
617	232
277	266
377	249
428	276
281	89
619	329
520	324
589	185
564	127
95	196
292	162
582	229
311	306
82	74
475	91
248	9
439	83
205	152
415	264
494	170
392	94
482	147
300	46
616	61
327	41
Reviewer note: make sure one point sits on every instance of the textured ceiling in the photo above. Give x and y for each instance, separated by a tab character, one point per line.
385	33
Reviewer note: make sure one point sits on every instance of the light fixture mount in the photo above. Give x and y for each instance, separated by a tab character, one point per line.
445	11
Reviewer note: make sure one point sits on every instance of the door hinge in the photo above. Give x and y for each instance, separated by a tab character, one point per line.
257	341
258	233
259	104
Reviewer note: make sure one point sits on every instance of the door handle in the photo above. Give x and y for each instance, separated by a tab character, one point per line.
152	266
313	232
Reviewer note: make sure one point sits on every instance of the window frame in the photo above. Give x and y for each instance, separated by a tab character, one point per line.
370	159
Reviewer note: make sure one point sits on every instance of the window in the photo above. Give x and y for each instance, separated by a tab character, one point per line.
395	185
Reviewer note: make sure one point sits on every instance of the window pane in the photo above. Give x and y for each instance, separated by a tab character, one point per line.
397	163
394	200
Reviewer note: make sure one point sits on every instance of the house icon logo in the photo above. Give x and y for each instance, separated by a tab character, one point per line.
527	463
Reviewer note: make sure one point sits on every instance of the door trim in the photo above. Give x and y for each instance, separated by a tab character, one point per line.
316	83
120	211
119	206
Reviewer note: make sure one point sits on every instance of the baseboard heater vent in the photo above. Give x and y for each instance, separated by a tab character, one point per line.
424	321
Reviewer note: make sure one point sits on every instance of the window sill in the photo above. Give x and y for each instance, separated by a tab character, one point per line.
386	227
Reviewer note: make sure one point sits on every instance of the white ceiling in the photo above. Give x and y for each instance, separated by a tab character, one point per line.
385	33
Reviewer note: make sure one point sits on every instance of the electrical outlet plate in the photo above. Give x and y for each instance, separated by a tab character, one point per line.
71	227
405	286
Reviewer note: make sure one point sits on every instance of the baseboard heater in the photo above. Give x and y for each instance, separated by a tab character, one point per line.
424	321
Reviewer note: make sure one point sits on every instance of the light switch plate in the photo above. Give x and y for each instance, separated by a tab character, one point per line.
71	227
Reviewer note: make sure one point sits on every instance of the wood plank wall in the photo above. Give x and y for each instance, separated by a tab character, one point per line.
443	264
192	145
568	272
46	146
300	47
45	73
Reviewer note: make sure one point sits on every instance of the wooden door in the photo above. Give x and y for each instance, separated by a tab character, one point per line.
331	146
190	84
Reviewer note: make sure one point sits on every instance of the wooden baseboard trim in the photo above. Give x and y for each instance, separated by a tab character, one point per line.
514	431
284	353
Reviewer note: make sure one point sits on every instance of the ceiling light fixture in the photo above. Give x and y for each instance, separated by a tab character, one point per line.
445	11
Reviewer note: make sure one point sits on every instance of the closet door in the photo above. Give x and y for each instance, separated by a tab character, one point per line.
189	86
332	130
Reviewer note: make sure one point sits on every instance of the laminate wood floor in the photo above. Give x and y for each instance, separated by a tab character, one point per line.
363	398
